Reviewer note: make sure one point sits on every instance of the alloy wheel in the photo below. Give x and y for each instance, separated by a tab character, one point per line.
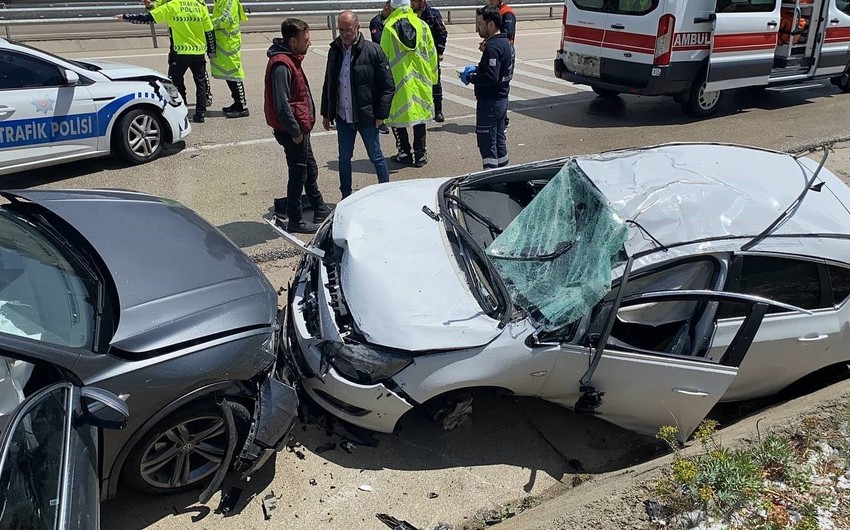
186	453
707	99
144	135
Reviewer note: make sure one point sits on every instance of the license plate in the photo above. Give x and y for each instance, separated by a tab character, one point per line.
583	64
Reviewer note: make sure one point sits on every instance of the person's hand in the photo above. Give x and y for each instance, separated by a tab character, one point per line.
327	123
440	57
298	139
147	3
464	75
118	17
378	123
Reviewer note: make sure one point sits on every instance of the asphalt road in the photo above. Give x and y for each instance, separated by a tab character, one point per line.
231	170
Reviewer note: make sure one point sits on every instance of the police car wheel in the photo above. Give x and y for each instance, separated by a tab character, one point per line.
701	102
140	136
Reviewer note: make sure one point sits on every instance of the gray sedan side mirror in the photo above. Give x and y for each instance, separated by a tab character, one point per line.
71	78
103	409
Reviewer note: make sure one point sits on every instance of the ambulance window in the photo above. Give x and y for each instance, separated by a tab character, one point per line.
620	7
22	71
745	6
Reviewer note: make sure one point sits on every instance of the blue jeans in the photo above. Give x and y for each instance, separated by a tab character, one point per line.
490	131
346	133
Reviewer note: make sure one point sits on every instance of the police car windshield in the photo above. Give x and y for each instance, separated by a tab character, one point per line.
81	64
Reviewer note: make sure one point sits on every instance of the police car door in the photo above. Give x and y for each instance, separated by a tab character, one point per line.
835	51
45	113
743	43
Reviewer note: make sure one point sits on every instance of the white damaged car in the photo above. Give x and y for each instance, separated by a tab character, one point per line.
642	285
55	110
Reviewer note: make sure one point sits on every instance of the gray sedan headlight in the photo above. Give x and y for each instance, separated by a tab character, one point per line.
365	364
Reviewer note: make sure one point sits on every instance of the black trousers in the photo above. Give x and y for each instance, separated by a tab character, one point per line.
177	67
237	91
403	140
437	91
303	174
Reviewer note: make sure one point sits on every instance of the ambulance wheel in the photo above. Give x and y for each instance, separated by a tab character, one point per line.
842	82
701	102
604	92
139	136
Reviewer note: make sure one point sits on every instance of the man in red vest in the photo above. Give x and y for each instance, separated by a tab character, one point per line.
291	114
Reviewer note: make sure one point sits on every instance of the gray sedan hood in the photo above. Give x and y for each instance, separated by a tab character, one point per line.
178	278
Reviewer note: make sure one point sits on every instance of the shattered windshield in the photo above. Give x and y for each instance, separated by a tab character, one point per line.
557	256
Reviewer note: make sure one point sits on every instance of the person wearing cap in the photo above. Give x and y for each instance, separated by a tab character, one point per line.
434	19
492	80
356	96
409	47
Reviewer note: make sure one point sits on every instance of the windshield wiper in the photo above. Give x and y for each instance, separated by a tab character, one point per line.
495	229
792	209
504	304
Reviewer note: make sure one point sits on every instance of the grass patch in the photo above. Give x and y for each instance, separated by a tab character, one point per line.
798	480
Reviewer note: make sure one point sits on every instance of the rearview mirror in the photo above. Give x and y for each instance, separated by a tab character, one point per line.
104	409
71	78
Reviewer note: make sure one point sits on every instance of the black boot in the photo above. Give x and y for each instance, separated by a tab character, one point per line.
239	109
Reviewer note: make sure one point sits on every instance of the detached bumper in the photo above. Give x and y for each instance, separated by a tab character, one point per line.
277	409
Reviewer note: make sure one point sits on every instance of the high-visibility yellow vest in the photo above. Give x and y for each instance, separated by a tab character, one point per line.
227	62
188	20
414	70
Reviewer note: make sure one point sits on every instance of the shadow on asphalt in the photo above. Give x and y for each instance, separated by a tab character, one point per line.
585	110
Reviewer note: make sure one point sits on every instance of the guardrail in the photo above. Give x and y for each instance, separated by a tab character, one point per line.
104	12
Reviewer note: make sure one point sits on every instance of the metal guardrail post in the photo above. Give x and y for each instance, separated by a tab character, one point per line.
8	31
153	35
332	23
551	10
449	18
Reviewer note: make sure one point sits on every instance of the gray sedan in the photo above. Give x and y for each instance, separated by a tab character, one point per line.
141	297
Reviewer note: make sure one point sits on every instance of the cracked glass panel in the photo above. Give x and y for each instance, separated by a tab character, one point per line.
557	256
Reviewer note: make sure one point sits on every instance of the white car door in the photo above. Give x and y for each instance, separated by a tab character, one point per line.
835	51
743	43
651	375
789	345
45	113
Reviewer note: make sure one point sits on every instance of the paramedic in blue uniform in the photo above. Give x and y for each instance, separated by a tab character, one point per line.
434	19
492	78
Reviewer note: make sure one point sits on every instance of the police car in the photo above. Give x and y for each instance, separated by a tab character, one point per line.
55	110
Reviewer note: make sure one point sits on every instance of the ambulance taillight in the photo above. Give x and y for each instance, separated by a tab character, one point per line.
664	40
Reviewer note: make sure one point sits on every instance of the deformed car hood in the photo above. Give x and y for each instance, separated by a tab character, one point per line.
178	279
399	276
119	71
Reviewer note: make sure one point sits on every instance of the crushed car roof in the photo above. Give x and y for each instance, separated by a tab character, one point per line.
694	192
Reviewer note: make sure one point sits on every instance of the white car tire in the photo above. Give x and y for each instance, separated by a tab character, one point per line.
139	135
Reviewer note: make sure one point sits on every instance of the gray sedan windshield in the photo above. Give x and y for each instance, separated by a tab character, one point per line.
557	255
43	295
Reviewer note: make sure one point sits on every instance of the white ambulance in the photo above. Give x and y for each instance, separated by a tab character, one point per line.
694	50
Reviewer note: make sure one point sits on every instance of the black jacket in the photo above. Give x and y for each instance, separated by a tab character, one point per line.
434	19
492	80
372	86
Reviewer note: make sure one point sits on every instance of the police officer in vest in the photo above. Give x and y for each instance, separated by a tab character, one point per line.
191	37
226	64
291	114
434	19
376	29
492	79
409	47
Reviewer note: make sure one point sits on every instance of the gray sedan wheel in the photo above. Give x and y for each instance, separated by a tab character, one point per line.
182	451
140	136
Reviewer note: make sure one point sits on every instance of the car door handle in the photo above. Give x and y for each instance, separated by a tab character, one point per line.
771	24
834	21
697	393
812	338
6	112
617	26
701	20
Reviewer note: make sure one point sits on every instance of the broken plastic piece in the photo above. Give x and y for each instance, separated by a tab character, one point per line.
324	448
365	487
269	504
312	482
394	523
348	446
228	501
433	495
589	401
444	526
